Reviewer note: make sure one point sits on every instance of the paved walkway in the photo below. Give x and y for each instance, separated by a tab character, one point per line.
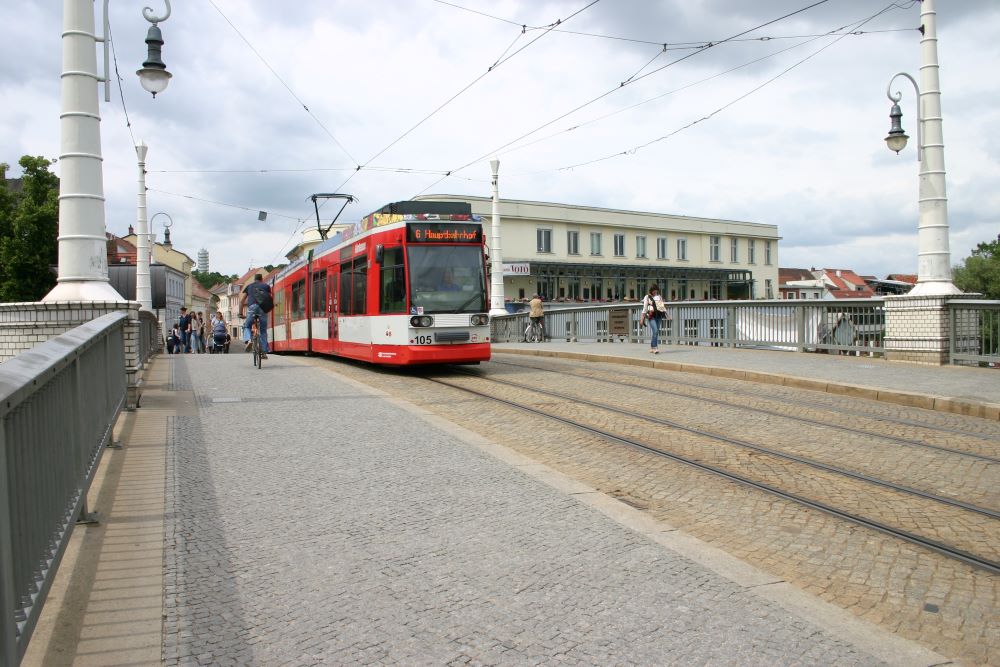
291	516
962	389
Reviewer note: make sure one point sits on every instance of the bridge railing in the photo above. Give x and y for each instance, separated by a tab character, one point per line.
975	332
150	341
848	325
58	405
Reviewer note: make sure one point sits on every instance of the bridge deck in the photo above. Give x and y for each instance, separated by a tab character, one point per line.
294	516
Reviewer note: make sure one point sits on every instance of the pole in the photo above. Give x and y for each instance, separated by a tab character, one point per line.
83	254
143	289
933	254
496	256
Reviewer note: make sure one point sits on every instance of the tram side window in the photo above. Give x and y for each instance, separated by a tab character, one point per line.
318	296
352	286
392	282
360	272
299	300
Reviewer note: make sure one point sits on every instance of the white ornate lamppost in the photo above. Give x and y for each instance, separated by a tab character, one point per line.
496	256
933	255
83	266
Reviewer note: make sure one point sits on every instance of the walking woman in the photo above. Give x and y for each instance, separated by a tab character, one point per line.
654	311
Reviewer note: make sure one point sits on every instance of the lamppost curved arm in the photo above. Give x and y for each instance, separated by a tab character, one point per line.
897	137
147	13
166	225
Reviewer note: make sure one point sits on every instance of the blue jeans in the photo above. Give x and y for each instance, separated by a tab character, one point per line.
251	311
185	341
654	332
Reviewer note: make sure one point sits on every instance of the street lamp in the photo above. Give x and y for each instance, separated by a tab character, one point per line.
933	255
83	264
153	76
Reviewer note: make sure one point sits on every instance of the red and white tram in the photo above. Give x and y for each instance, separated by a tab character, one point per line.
407	287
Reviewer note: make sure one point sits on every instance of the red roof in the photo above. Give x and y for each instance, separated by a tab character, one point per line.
846	284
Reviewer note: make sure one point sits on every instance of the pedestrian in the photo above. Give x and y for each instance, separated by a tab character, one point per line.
173	340
185	327
654	311
199	329
219	333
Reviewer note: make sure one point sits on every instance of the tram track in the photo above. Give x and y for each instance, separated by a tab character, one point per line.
957	552
784	415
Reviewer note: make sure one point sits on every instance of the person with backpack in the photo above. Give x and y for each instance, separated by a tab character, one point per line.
654	312
260	302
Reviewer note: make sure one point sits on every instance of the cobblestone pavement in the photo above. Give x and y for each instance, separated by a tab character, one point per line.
907	590
312	522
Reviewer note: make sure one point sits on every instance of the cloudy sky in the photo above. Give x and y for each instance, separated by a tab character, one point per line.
271	102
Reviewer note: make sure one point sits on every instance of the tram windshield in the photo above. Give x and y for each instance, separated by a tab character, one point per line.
447	278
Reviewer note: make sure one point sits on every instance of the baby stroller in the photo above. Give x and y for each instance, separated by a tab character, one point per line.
220	343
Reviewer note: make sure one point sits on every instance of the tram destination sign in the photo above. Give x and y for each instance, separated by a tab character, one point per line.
444	232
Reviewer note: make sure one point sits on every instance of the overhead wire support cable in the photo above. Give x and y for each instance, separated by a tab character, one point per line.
621	86
635	149
282	81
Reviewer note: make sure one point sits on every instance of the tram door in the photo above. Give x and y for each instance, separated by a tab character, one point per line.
333	301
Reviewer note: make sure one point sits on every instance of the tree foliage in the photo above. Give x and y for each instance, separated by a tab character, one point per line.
980	271
209	279
29	225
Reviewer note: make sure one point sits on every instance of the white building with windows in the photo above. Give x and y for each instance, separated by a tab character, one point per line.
578	253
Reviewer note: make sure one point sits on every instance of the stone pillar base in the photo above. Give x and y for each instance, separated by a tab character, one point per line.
25	325
918	328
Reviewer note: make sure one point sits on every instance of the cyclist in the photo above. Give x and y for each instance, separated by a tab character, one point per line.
257	292
536	314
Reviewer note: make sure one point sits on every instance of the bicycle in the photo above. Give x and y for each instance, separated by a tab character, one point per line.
535	332
258	353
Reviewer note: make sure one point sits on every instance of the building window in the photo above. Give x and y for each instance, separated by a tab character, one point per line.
573	243
751	251
682	249
595	243
734	250
768	289
767	252
715	248
640	247
661	247
619	245
544	237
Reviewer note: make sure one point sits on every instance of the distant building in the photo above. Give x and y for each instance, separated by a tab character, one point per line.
800	284
844	284
584	254
203	260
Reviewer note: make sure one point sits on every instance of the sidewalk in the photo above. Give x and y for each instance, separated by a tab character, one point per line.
960	389
292	516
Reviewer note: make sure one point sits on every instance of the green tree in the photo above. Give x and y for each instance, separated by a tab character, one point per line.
980	271
29	223
210	279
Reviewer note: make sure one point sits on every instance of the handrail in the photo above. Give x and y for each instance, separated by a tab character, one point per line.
58	405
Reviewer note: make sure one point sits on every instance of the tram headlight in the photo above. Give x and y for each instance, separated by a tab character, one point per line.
421	321
480	319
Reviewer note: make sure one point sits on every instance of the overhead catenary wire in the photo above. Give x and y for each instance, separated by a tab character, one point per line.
635	149
617	88
282	81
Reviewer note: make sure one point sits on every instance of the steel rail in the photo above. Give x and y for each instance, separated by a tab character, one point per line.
933	545
905	441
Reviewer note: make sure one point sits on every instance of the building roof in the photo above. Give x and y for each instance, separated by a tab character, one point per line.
903	277
786	275
846	284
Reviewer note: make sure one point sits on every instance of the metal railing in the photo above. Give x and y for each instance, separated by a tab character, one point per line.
58	405
975	332
843	325
150	339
